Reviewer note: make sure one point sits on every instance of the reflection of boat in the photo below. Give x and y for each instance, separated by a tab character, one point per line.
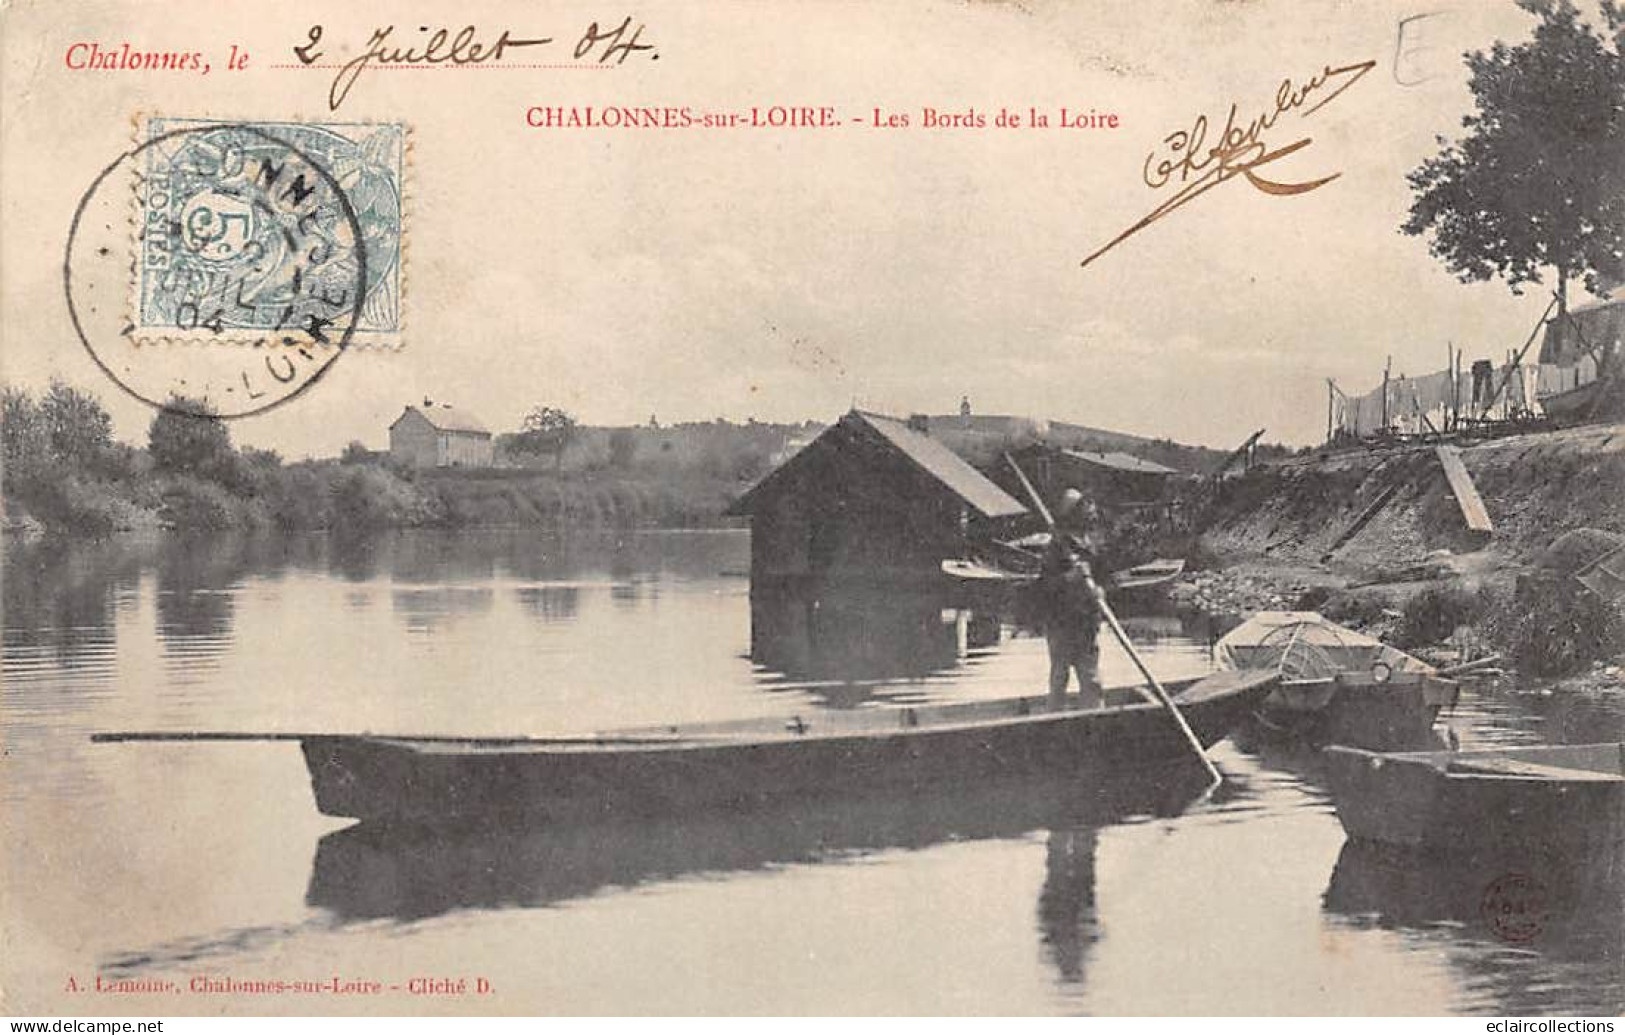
1337	684
1557	798
453	780
1575	906
366	871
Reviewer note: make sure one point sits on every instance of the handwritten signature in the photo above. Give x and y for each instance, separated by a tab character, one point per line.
1185	160
605	45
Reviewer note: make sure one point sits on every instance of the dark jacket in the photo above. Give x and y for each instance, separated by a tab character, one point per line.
1064	605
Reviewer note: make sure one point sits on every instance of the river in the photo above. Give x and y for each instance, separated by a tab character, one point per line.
169	872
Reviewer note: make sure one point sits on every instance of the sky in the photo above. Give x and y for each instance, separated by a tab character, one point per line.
789	274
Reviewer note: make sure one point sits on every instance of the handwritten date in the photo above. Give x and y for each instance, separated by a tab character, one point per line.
603	45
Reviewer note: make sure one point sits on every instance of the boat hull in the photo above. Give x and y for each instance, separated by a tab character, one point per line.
379	779
1416	800
1360	712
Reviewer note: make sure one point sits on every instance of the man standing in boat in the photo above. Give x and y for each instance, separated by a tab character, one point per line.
1068	612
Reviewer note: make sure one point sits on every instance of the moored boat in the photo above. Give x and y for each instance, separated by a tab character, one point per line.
1336	684
1157	574
448	781
1564	798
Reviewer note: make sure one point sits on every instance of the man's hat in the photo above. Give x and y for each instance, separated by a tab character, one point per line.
1069	500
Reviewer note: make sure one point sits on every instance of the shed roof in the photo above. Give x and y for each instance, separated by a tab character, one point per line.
446	418
1119	462
927	454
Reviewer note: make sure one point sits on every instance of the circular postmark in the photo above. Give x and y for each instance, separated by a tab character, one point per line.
1514	906
219	264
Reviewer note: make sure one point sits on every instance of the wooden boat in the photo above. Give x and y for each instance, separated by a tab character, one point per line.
440	781
1157	574
1336	684
1575	406
978	572
1556	799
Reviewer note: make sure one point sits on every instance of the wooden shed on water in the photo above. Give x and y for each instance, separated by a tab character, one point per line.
870	499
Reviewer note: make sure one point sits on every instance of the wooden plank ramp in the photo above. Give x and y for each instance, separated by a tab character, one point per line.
1362	519
1471	503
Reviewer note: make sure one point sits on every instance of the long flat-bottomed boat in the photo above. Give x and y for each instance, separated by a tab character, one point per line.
1562	798
450	780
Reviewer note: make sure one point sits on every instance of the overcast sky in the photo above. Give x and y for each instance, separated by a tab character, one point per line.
785	275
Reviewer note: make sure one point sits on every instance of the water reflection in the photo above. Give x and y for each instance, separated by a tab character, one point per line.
1066	906
536	633
363	873
555	603
1575	926
59	600
195	595
852	641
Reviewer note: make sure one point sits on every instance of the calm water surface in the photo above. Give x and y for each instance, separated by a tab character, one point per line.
146	863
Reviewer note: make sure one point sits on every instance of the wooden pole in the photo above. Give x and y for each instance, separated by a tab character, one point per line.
1166	701
1450	377
1331	402
1498	389
232	736
1385	367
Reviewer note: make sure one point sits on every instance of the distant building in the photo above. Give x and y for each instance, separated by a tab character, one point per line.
869	499
1107	479
438	435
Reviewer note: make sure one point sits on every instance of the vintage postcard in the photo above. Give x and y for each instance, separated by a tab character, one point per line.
812	508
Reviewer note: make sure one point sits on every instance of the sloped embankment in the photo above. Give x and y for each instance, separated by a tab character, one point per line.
1535	487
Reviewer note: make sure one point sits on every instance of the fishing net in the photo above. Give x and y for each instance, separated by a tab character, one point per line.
1304	650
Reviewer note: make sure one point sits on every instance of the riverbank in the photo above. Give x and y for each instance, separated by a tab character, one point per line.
66	475
1279	539
337	497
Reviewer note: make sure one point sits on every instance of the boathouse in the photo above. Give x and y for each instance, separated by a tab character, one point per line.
870	499
438	435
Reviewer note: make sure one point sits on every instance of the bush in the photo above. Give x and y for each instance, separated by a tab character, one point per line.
367	497
1430	616
77	505
195	505
1555	627
1354	609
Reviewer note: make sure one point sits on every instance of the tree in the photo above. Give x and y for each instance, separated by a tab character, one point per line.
623	448
23	435
80	431
1538	181
187	438
547	430
355	453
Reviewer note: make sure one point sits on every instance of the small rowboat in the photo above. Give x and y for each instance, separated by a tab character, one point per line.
450	781
1336	684
977	572
1557	799
1155	574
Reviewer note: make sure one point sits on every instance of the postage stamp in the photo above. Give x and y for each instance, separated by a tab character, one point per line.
239	236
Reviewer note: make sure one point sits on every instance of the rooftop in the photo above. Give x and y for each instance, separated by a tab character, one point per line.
445	417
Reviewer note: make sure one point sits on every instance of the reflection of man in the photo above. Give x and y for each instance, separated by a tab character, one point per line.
1068	612
1067	922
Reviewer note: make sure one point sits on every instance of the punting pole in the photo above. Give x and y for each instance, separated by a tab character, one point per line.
1122	637
239	737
